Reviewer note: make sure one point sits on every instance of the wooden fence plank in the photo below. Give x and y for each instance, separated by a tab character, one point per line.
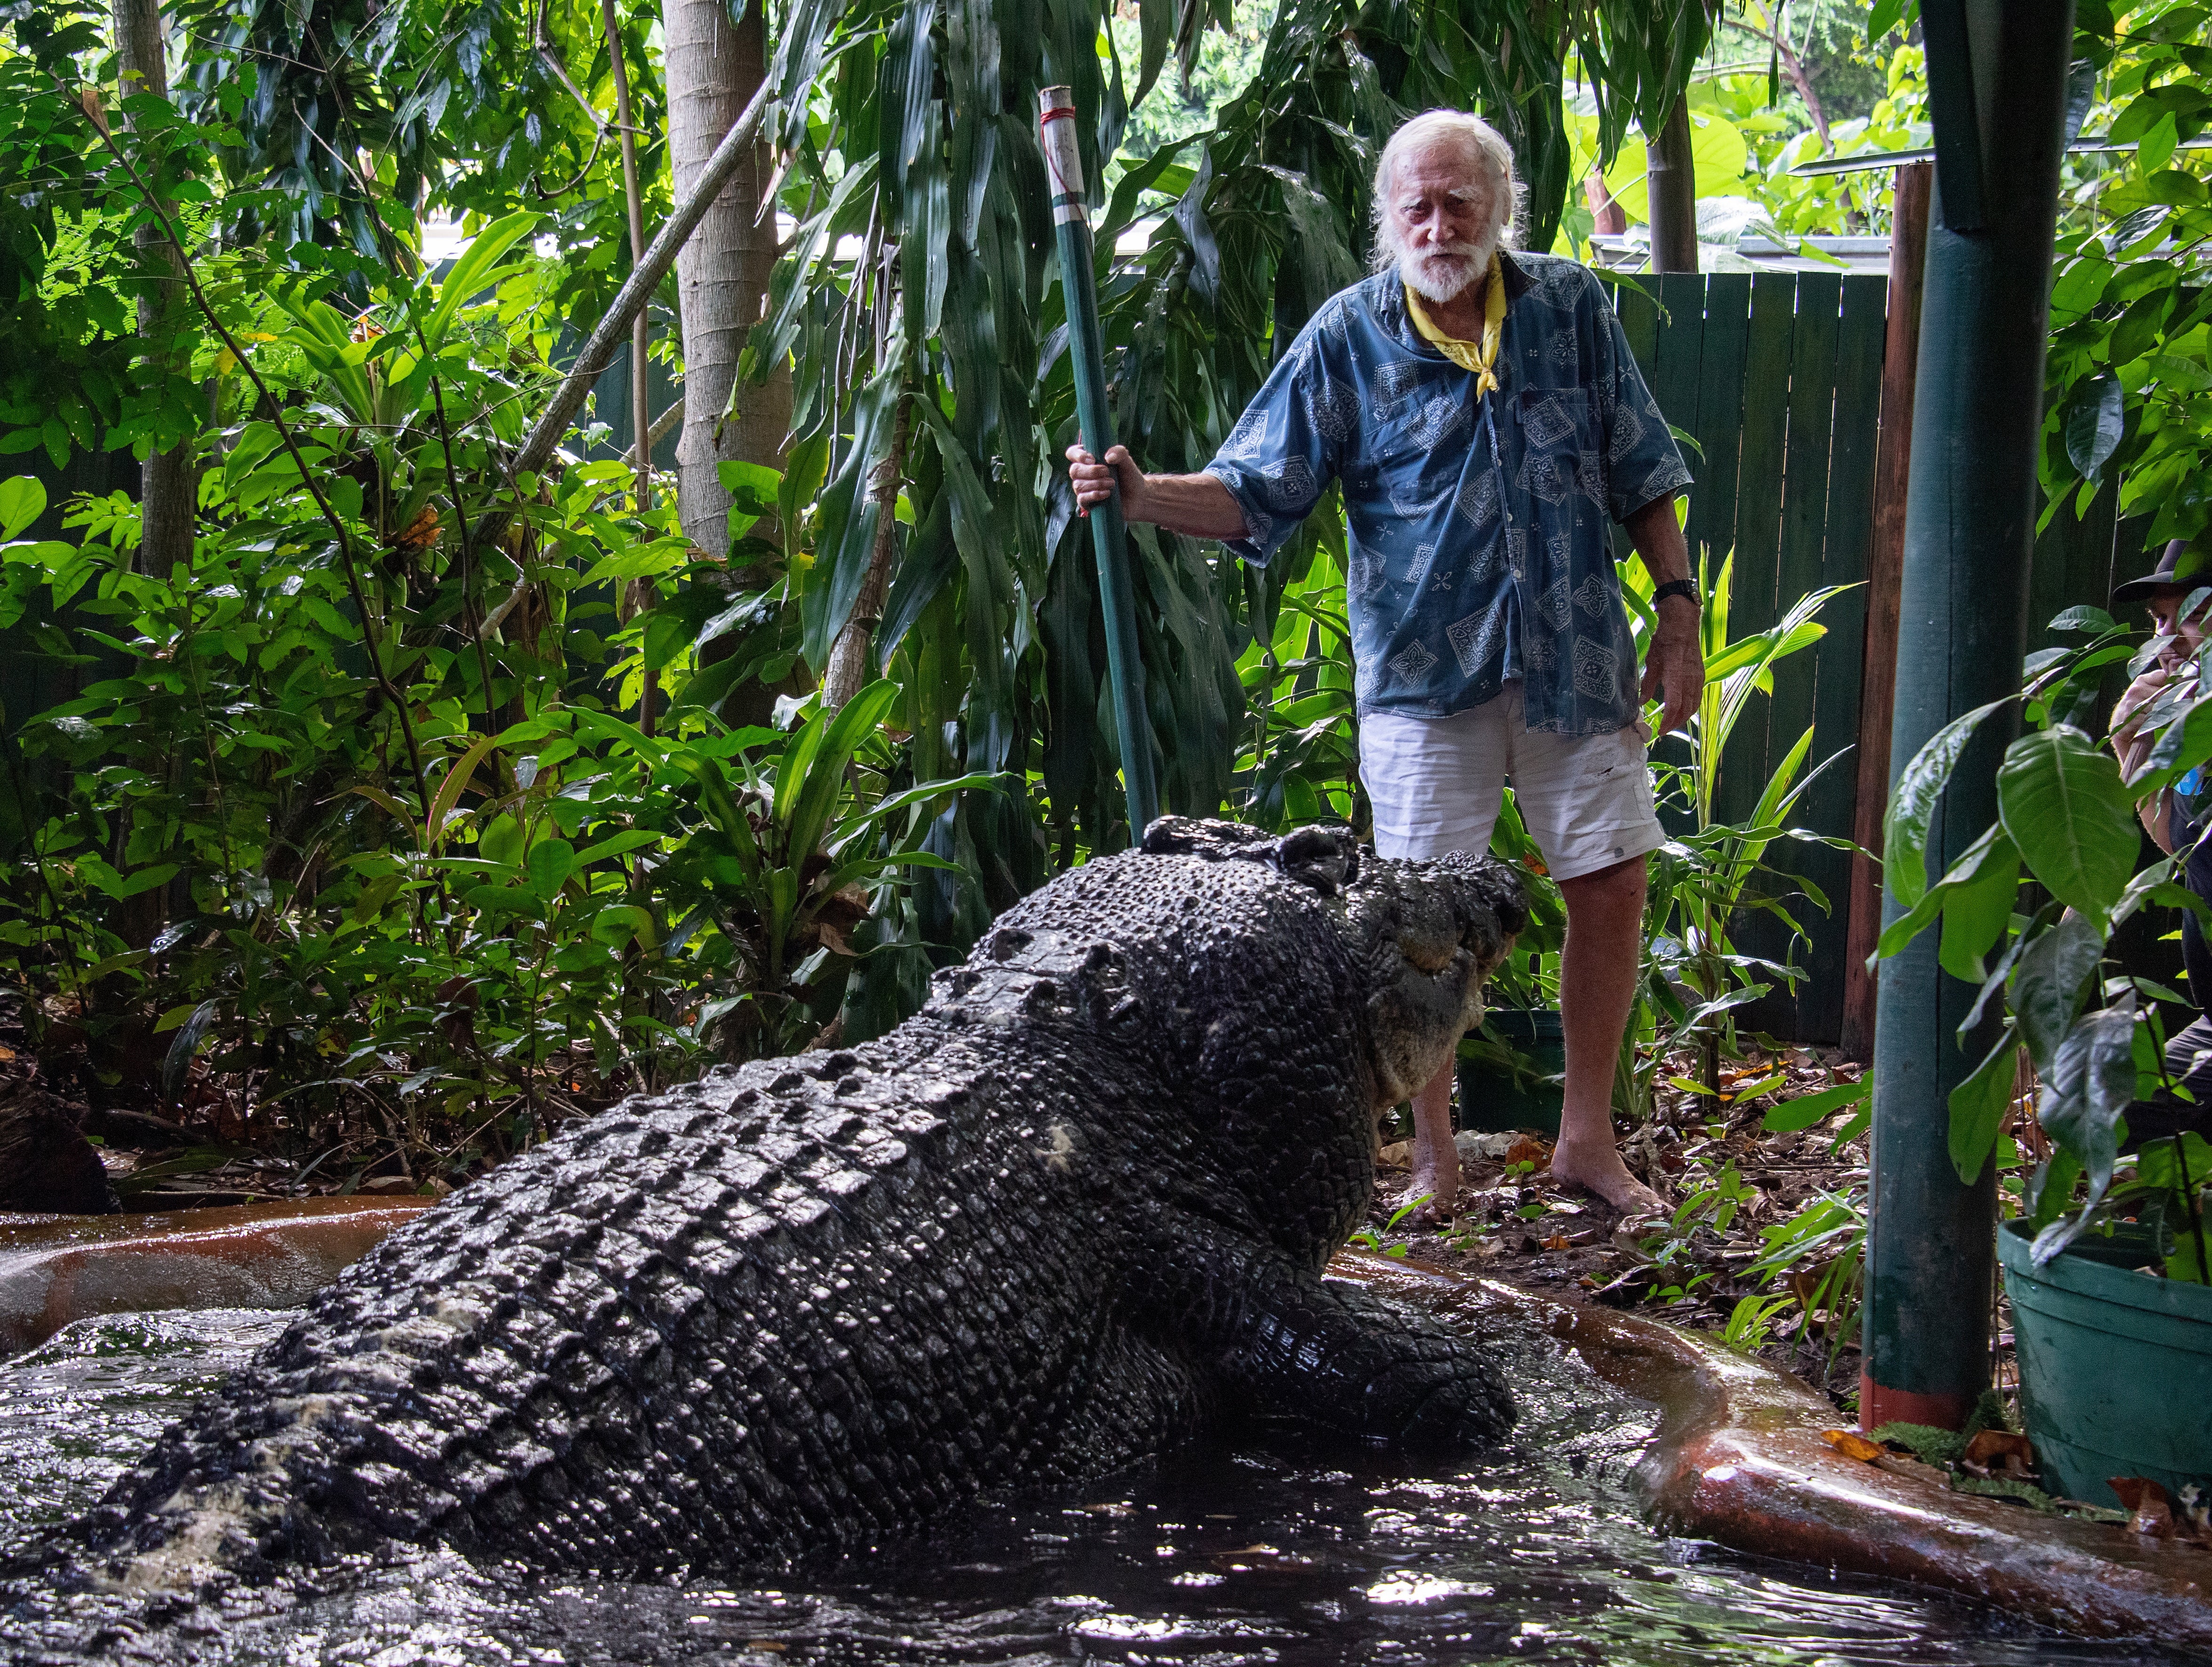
1639	322
1755	600
1831	804
1798	569
1676	382
1719	427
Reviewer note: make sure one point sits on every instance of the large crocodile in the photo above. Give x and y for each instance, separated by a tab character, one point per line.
1077	1205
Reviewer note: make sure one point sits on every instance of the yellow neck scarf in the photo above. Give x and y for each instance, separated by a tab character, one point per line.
1482	359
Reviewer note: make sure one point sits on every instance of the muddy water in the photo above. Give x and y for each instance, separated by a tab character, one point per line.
1271	1547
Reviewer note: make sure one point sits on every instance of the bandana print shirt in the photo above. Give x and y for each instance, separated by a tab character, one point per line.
1478	548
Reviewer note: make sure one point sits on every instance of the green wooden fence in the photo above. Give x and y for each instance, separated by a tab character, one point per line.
1776	377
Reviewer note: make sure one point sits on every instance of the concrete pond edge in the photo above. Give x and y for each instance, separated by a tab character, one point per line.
1738	1459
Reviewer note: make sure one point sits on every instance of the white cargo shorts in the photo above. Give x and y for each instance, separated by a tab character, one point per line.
1437	784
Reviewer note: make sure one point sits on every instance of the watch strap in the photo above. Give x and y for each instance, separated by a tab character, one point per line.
1676	588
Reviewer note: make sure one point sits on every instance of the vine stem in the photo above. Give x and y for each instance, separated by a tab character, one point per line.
88	101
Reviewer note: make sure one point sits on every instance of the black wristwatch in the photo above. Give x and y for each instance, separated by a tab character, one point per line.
1676	588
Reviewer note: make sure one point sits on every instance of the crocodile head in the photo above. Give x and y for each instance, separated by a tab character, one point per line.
1428	933
1422	936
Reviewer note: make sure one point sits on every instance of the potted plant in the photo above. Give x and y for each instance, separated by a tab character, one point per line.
2105	1262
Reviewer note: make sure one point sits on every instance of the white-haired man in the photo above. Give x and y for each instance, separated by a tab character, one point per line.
1485	420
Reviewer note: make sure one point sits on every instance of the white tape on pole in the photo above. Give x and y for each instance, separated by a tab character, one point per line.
1063	160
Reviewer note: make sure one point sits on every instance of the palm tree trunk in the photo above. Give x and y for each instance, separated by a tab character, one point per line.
1671	186
722	273
165	486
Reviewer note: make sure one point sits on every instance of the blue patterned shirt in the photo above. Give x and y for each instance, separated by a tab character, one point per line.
1478	547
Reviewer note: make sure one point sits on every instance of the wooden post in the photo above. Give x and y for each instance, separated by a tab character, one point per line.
1908	247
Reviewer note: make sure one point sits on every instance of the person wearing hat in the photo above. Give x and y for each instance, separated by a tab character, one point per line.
2176	816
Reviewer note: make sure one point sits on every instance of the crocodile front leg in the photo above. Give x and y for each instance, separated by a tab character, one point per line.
1332	1354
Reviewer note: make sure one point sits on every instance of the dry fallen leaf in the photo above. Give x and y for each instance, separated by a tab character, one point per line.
1396	1155
1529	1150
2013	1454
1851	1444
2146	1504
1556	1242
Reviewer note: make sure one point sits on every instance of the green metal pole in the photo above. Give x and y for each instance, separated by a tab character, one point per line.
1998	75
1125	665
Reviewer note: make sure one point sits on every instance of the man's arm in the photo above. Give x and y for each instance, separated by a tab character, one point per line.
2132	743
1198	505
1677	664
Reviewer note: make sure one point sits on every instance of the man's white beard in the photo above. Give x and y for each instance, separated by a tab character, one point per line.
1441	271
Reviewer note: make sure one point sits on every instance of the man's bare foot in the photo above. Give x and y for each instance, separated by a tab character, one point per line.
1436	1179
1600	1173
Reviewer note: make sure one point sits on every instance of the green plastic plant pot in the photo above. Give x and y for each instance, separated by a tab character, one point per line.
2114	1366
1492	1097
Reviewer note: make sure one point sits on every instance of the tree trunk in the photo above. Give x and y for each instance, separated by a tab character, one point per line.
1671	187
851	656
165	493
722	273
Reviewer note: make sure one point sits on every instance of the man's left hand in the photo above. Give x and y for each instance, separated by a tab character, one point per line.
1675	667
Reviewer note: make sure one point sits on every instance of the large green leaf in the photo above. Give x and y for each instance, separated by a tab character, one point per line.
1978	911
22	501
2060	798
2093	423
477	269
2051	981
1912	805
2090	1087
1978	1109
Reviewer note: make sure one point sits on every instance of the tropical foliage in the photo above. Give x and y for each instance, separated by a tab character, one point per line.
2066	823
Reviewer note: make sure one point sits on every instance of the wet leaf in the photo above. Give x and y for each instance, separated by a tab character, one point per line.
2149	1510
1851	1444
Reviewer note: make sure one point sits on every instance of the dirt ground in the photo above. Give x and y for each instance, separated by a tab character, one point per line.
1511	1224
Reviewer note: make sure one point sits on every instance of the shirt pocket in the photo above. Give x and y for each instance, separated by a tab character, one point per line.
1559	437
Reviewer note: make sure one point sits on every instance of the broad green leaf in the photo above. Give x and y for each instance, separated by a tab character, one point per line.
22	501
1978	1109
623	923
1807	1110
630	840
752	486
1978	909
1912	805
549	865
2060	797
2051	982
2091	1084
2094	418
2083	618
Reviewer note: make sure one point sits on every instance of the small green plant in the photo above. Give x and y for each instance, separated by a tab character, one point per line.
1693	975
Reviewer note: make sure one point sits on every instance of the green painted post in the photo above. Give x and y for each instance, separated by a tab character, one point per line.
1969	525
1125	665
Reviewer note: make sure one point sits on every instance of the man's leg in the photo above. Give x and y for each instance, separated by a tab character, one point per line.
1436	785
1597	987
1436	1159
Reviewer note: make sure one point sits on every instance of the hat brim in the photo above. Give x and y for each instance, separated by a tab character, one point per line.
2143	589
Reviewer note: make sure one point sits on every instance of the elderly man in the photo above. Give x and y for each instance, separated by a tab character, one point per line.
1485	420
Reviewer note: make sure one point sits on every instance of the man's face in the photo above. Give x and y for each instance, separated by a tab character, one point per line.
1441	220
2179	641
